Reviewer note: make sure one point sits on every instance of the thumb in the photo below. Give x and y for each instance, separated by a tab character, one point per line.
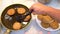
32	9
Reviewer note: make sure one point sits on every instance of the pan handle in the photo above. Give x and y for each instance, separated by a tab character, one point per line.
8	31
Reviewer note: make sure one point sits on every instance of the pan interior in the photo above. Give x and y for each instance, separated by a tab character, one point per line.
8	24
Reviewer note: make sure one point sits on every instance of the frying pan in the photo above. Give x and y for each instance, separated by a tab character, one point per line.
8	23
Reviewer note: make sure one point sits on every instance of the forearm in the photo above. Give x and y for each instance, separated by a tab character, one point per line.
41	8
54	13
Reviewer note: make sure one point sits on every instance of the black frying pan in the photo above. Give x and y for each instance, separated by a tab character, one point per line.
8	23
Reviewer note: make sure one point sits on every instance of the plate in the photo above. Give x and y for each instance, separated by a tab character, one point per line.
47	29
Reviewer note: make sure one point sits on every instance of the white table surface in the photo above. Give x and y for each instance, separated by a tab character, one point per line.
33	25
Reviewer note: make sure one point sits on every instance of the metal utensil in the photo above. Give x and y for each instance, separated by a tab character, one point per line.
7	23
21	18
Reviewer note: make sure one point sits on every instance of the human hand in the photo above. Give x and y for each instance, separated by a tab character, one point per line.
38	8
